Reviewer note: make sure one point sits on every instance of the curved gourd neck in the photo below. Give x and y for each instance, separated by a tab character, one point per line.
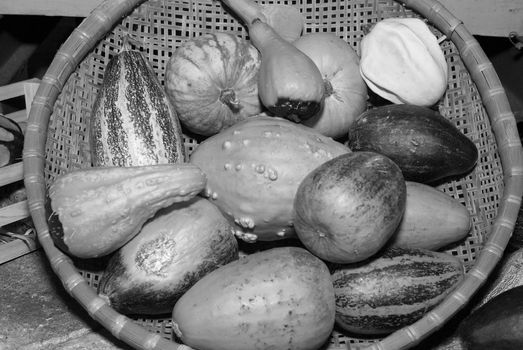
247	11
262	35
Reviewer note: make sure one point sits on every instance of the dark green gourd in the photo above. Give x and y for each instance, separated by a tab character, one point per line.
425	145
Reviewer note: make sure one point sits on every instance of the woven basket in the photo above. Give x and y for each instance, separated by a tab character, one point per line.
475	101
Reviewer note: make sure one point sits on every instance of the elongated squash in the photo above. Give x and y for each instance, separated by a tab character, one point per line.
133	123
172	251
94	211
281	298
254	169
393	289
432	219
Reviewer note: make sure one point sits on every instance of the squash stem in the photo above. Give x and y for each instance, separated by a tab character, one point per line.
228	97
329	90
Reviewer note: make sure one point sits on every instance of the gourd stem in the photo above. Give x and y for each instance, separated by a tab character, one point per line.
329	90
228	97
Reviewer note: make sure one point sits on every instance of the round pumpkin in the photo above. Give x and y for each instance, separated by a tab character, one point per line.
346	209
345	90
212	81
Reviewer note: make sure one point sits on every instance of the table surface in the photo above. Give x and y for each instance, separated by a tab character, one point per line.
481	17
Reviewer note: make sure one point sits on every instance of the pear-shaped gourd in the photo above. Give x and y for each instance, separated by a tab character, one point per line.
290	84
94	211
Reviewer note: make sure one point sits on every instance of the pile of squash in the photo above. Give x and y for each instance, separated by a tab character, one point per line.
335	199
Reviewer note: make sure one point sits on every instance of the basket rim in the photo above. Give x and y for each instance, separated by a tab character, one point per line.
109	12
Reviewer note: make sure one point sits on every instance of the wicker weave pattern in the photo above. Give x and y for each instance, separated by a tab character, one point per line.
492	192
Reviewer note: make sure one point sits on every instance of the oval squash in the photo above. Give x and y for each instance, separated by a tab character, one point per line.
172	251
393	289
281	298
254	168
426	146
432	219
212	81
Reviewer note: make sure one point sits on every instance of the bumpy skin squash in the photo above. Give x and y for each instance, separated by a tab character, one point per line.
432	219
212	81
281	298
427	147
346	209
94	211
254	168
133	123
172	251
393	289
401	61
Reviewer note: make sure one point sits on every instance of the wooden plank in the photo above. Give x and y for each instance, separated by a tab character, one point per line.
71	8
11	173
481	17
14	249
13	212
487	17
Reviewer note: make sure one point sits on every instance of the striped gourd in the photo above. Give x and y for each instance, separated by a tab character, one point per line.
133	123
394	289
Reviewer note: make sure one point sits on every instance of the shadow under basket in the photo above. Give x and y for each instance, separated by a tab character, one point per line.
475	102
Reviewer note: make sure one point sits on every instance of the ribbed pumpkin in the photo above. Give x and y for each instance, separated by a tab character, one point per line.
212	82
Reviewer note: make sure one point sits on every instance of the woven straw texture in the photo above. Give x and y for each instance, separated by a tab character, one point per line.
474	101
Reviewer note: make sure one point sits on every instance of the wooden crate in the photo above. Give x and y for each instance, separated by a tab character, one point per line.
15	244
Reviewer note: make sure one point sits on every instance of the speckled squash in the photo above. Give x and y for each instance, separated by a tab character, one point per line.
346	209
393	289
172	251
133	123
94	211
212	81
281	298
254	168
